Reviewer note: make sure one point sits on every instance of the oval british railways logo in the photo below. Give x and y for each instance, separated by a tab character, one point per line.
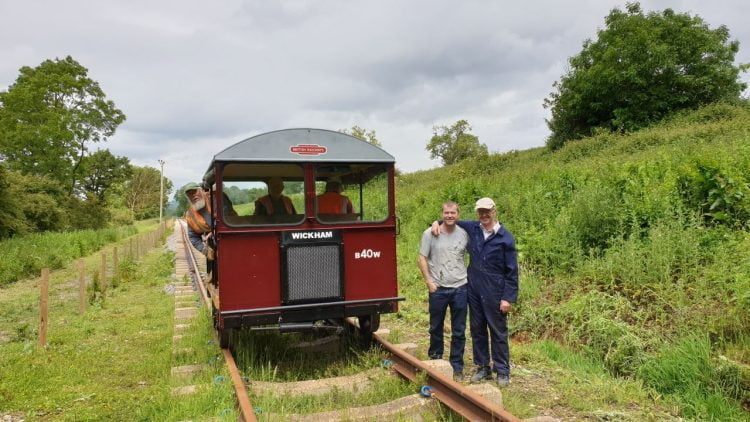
308	149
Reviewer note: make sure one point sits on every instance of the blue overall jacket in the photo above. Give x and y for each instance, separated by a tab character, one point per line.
493	266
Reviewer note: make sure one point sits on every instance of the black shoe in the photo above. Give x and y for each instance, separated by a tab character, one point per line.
459	376
482	374
503	380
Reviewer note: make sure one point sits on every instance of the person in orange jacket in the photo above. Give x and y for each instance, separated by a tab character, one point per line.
274	202
332	201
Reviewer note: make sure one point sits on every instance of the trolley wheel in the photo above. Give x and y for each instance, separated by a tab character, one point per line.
368	324
225	337
375	322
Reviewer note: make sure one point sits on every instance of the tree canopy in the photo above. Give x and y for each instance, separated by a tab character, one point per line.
141	193
101	170
50	115
363	134
640	68
49	178
455	143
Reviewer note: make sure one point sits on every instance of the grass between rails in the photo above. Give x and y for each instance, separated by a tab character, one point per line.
271	356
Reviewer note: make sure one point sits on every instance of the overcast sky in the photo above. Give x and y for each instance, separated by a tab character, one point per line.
194	77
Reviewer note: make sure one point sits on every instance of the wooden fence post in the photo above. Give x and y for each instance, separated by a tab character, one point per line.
115	262
43	305
103	273
130	253
81	286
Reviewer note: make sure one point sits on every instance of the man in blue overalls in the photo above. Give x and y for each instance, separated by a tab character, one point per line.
493	287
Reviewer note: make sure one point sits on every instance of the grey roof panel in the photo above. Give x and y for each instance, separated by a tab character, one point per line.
304	145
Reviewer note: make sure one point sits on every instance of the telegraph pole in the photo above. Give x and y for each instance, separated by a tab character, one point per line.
161	190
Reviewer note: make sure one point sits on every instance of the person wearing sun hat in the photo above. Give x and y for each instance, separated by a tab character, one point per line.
493	288
199	219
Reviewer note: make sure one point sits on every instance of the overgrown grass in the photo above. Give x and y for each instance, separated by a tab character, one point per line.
628	243
24	256
96	365
273	356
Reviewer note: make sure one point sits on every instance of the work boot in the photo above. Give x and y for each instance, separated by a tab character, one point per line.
482	374
503	380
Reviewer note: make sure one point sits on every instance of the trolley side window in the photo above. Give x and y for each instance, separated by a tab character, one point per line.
348	193
264	194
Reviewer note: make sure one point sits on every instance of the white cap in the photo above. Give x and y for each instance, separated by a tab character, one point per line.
485	203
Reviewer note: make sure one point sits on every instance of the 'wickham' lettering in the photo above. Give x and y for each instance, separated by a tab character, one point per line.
312	235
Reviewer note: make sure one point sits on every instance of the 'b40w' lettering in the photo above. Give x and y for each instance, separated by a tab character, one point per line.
366	254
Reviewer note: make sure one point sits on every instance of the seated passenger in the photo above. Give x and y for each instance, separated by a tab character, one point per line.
274	203
332	201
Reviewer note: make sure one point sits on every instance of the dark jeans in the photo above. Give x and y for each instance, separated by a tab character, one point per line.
489	326
456	299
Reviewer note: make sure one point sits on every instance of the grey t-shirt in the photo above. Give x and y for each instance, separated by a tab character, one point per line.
445	256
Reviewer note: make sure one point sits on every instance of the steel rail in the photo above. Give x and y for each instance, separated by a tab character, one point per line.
246	409
460	399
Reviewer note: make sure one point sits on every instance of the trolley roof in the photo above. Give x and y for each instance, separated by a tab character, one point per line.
304	145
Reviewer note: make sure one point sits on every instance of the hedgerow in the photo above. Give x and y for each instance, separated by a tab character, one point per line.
25	256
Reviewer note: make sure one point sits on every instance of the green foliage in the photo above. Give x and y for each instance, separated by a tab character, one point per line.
641	68
142	191
687	371
14	221
100	171
619	242
25	256
39	197
363	134
720	198
50	115
453	144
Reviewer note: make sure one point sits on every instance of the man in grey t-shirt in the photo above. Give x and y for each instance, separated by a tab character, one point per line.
441	260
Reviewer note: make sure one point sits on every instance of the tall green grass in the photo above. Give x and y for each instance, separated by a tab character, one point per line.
628	243
25	256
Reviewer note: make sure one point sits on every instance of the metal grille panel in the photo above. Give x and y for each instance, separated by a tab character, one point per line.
313	272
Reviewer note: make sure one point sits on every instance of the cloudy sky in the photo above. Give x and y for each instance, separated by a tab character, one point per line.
194	77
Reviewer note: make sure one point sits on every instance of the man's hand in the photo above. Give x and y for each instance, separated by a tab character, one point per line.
206	236
431	286
505	306
209	251
435	228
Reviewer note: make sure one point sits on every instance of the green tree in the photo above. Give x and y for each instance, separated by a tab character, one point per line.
50	115
641	68
100	171
182	201
453	144
363	134
141	195
14	221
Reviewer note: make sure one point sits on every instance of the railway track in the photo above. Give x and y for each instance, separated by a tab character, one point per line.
437	384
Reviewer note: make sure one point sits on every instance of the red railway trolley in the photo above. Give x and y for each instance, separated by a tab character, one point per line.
322	251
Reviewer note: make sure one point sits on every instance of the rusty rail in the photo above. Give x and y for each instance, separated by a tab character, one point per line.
243	401
460	399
